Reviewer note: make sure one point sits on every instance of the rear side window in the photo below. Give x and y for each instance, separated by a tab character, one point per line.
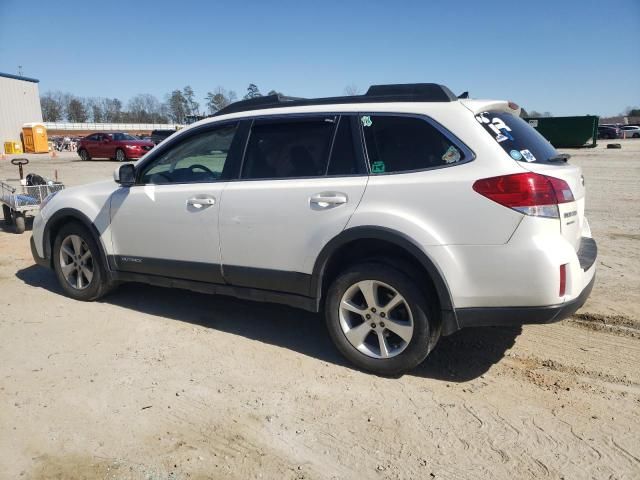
516	137
401	144
289	149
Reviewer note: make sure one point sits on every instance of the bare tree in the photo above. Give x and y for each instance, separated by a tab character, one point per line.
145	108
351	90
76	111
219	98
193	107
52	109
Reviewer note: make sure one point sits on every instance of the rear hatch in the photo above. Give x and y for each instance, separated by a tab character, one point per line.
534	153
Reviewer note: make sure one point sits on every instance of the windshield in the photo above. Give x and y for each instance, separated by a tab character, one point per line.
123	136
516	137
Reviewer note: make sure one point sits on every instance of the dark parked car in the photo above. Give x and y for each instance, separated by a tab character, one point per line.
120	146
608	132
159	135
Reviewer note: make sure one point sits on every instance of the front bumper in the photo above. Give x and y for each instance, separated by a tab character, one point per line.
43	262
506	316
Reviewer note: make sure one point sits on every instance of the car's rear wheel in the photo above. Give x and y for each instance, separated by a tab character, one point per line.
6	212
19	223
120	155
84	155
78	265
379	319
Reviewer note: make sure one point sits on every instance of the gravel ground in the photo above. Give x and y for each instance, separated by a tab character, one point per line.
152	383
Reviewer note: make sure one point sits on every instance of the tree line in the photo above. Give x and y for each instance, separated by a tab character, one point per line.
177	106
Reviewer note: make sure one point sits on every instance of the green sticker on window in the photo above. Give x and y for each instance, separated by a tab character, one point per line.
366	121
377	167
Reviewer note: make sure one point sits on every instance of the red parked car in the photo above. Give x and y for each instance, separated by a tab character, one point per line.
120	146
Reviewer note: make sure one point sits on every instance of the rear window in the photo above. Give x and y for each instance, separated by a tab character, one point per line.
516	137
402	144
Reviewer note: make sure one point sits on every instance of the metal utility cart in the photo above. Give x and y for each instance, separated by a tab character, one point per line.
23	197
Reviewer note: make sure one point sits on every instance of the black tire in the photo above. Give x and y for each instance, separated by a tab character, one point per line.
6	212
19	224
99	284
614	145
121	156
425	332
636	135
84	155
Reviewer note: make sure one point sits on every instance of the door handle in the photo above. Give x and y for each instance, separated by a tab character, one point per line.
201	202
328	199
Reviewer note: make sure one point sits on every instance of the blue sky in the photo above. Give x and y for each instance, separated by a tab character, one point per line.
566	57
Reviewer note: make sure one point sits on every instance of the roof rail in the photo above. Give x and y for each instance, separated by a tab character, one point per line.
410	92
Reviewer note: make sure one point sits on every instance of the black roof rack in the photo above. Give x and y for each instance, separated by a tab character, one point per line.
410	92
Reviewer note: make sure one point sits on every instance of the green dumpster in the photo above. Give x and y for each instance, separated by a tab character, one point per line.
567	132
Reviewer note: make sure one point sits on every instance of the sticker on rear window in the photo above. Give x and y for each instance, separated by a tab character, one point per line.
496	126
378	167
452	155
528	156
515	154
366	121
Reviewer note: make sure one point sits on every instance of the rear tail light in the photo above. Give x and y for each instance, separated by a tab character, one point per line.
563	280
528	193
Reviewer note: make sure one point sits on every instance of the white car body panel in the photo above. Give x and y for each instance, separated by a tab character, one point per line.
489	255
273	224
156	221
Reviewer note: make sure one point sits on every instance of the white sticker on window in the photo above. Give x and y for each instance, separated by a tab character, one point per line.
528	156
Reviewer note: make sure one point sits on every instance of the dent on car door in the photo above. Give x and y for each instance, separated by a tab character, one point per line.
301	180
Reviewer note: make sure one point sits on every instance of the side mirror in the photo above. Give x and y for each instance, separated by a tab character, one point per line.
125	175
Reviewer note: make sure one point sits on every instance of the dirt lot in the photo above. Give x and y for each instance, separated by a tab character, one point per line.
159	384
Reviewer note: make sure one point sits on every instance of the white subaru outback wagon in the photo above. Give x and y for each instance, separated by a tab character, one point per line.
403	214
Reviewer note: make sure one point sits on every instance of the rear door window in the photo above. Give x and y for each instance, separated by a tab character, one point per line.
402	144
291	148
517	138
344	160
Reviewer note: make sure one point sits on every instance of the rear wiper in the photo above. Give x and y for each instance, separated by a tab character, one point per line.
561	157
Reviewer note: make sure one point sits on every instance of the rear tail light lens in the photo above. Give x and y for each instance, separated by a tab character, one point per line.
528	193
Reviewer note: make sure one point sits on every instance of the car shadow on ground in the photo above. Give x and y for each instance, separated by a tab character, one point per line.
460	357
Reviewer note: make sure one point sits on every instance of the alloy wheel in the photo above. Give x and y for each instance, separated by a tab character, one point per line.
376	319
120	156
76	262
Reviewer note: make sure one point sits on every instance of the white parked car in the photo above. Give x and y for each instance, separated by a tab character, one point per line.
630	131
403	214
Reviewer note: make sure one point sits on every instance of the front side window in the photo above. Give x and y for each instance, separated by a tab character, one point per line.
401	144
199	158
289	149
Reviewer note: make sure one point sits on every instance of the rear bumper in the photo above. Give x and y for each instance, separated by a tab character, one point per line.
504	316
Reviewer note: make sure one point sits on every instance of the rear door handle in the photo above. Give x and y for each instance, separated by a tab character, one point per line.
328	199
201	202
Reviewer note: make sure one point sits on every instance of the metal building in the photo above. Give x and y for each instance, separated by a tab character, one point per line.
19	104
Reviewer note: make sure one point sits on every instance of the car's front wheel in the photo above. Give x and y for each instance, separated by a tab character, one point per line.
84	155
120	155
379	319
77	263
